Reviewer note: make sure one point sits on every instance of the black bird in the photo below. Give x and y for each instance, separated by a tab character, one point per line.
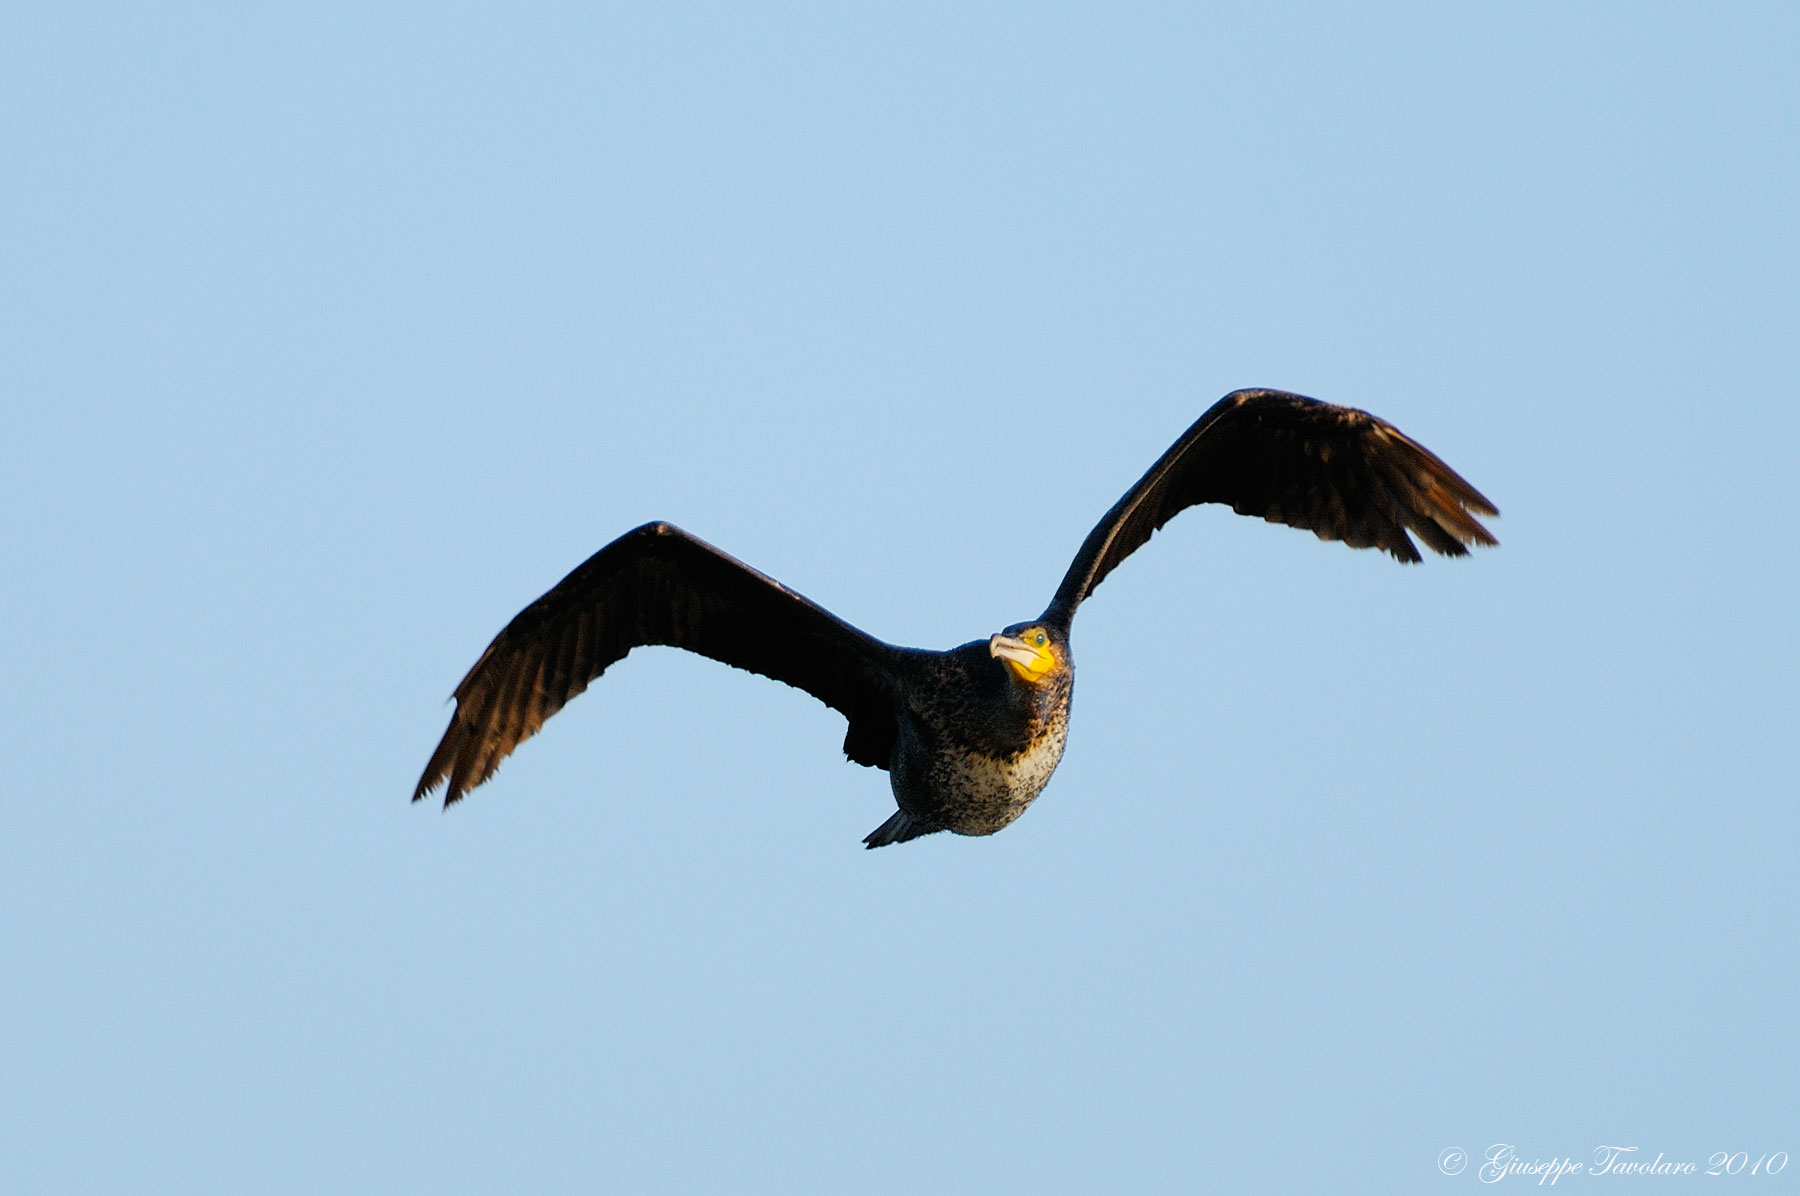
970	736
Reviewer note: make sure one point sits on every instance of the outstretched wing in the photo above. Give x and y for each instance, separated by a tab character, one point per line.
1342	473
657	585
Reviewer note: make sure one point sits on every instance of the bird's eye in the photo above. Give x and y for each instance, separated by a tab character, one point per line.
1040	639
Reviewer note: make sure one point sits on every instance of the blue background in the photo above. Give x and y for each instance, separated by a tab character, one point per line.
335	335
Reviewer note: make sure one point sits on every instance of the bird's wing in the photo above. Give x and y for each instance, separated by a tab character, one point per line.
654	585
1342	473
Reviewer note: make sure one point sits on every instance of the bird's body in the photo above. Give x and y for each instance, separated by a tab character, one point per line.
975	743
969	736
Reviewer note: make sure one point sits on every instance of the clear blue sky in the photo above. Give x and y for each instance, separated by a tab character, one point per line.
332	336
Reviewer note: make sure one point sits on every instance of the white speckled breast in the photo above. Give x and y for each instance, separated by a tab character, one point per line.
990	793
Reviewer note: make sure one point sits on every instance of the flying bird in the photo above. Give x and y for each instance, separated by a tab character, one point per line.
970	736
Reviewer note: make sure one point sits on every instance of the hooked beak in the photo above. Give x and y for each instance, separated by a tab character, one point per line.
1029	662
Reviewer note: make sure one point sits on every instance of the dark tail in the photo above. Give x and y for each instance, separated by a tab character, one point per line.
898	829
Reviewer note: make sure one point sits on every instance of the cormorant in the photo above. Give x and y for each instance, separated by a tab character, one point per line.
969	736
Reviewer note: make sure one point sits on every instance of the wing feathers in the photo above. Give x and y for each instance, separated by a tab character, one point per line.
1339	472
654	585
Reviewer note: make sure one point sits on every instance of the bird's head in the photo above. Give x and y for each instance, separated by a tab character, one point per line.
1032	651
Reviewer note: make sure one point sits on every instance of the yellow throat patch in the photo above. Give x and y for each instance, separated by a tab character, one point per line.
1030	655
